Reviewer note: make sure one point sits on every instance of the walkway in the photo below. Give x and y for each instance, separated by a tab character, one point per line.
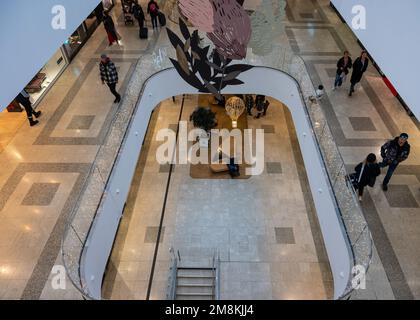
360	125
44	167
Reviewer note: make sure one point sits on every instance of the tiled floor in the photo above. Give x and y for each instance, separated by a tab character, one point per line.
261	227
44	169
360	125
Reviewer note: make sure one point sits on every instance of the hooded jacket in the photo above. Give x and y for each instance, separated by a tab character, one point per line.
391	151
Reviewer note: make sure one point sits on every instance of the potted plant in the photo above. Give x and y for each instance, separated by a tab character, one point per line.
204	118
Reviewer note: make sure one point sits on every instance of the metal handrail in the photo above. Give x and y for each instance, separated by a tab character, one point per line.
217	277
173	278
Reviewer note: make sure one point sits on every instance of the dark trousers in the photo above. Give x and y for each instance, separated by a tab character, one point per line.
265	109
361	188
154	20
26	103
114	91
141	23
352	85
391	168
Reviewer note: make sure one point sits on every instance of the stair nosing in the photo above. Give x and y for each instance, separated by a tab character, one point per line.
194	276
194	294
195	268
195	285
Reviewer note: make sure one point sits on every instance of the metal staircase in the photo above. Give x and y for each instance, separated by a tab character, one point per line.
194	282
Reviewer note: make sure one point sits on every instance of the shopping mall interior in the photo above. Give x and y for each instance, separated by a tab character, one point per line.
88	210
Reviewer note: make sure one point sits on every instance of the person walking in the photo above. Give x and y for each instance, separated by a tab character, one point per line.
367	171
153	11
360	65
249	103
393	152
110	28
343	65
138	14
109	75
265	107
259	104
23	99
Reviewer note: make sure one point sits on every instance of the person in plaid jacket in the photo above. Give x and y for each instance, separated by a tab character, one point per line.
109	75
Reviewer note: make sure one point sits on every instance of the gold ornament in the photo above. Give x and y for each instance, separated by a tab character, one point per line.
235	107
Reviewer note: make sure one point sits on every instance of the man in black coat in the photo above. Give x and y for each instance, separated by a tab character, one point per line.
393	152
138	14
360	65
366	173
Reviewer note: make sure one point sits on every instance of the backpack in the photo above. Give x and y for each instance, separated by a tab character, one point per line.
153	8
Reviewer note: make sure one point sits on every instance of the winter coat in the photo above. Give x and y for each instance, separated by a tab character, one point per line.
138	12
344	67
149	11
109	24
109	72
391	151
370	172
358	69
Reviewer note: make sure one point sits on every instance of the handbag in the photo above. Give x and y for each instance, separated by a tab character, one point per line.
354	179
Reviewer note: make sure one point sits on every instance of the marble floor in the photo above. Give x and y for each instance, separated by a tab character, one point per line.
46	166
265	228
360	125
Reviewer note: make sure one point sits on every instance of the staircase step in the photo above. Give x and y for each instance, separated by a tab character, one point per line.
194	276
195	281
195	285
196	272
201	294
195	268
195	290
185	297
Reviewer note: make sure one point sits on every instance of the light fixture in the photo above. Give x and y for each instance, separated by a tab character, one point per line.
235	107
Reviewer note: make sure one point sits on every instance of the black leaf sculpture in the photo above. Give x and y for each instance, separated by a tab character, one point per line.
194	65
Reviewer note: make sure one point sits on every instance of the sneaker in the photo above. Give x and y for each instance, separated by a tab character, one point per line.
333	88
117	100
37	114
360	198
384	187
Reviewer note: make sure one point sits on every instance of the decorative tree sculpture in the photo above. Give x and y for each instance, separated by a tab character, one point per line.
195	67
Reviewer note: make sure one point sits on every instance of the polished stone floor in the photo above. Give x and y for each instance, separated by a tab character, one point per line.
264	228
45	166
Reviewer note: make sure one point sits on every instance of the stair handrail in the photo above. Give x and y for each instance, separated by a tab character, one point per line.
174	268
216	266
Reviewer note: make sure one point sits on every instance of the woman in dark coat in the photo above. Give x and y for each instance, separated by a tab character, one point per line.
359	67
110	28
370	171
138	14
343	66
153	10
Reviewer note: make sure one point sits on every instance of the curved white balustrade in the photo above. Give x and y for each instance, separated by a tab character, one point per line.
167	83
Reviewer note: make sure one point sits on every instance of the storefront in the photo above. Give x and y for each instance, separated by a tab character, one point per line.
80	36
50	72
